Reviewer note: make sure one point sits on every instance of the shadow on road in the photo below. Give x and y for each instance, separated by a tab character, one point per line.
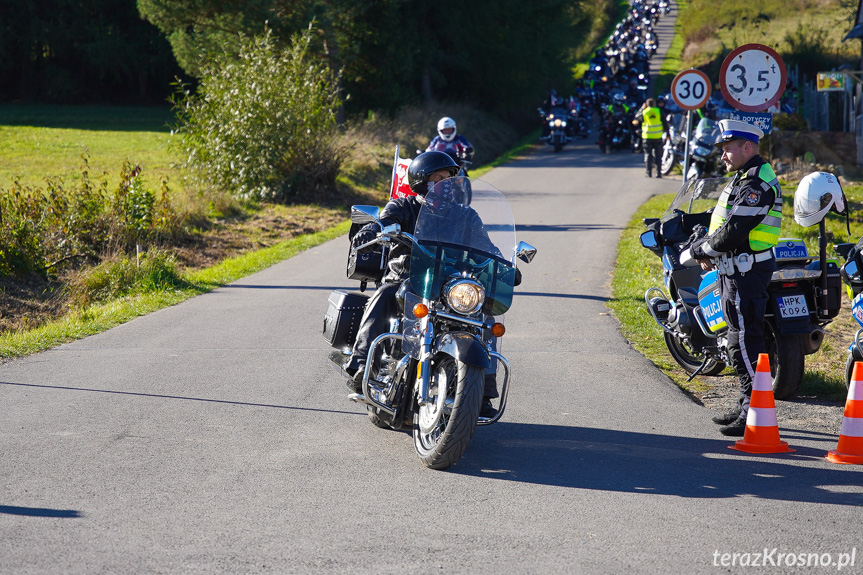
611	460
161	396
40	512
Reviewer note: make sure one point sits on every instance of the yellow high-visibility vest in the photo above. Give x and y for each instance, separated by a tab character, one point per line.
766	234
651	124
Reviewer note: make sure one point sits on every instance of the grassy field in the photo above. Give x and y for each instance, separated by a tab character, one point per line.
711	27
48	141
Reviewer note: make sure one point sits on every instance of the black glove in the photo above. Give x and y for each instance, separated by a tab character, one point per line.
699	232
362	237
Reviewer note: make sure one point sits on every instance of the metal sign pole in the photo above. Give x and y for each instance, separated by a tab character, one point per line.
686	146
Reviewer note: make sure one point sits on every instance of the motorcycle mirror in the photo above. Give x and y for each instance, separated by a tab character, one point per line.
843	249
851	272
364	214
525	252
650	239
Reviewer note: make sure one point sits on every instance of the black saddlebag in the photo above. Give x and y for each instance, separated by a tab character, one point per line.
367	266
342	321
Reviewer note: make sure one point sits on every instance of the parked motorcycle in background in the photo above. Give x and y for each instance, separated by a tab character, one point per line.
704	157
428	371
674	144
689	311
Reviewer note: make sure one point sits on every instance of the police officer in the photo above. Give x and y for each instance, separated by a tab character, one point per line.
744	227
653	126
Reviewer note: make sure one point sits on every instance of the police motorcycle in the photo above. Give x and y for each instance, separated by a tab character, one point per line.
803	294
558	133
703	155
428	370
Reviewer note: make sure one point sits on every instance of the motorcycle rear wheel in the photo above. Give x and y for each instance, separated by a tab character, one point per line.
853	357
786	361
688	359
446	442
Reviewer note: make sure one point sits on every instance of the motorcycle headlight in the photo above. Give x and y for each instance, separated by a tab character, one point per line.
557	122
464	296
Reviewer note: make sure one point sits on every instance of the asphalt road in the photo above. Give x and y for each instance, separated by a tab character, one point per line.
213	436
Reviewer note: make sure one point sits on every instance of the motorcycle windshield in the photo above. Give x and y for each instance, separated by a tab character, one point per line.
695	196
465	229
706	132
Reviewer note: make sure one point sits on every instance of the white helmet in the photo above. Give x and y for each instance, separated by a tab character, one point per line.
817	194
446	129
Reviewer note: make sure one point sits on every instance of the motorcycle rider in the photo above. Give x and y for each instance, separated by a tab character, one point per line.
452	143
744	227
425	170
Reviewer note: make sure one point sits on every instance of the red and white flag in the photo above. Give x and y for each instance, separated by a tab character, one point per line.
400	187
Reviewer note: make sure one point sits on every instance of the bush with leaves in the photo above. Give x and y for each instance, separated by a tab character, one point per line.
65	225
262	123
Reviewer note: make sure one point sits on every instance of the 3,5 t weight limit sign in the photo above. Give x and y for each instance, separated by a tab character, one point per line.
690	89
752	78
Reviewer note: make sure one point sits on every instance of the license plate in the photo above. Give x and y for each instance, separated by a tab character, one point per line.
793	306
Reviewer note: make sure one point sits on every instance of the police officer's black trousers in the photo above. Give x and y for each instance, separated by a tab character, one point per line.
653	154
744	302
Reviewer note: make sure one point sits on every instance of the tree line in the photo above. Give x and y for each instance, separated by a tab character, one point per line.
500	55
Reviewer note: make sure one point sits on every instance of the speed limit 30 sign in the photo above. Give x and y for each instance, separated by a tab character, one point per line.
752	78
690	89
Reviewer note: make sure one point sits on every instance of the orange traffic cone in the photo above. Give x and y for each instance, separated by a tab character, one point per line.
850	447
762	431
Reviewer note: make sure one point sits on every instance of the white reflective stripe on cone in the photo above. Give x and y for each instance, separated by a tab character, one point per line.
761	417
852	427
762	381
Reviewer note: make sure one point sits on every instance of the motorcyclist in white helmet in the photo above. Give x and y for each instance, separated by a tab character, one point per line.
453	144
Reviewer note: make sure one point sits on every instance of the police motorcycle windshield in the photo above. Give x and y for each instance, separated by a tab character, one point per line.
695	196
465	229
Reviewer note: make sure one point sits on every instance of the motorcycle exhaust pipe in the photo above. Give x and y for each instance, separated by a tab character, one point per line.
813	341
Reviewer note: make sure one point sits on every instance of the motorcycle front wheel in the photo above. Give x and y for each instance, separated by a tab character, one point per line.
668	161
688	359
786	361
441	446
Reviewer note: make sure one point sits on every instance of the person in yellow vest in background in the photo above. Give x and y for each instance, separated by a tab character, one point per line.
653	128
744	227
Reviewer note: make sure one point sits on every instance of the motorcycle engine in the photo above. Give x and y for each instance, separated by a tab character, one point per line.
678	318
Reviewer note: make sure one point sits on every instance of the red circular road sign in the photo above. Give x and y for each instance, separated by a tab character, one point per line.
752	78
690	89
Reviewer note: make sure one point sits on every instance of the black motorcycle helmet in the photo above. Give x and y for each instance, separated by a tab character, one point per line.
425	165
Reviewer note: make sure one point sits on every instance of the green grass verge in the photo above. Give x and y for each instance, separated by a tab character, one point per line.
98	318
